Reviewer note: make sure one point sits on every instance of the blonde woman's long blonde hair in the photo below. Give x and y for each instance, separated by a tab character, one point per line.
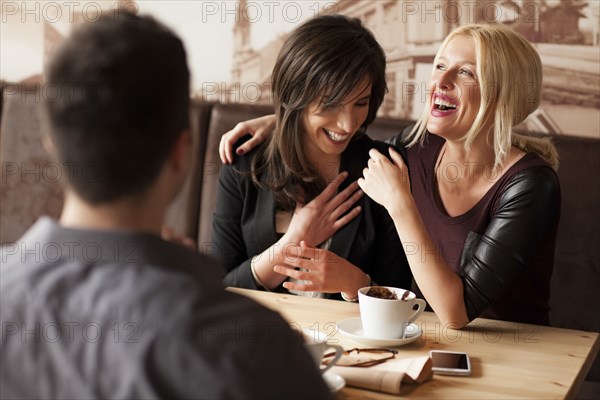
510	79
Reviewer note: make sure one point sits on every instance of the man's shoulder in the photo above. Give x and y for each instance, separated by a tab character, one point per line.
241	311
204	338
245	333
120	267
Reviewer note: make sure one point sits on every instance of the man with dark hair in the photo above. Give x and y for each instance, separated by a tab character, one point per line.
98	305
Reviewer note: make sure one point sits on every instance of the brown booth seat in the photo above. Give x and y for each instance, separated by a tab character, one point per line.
575	299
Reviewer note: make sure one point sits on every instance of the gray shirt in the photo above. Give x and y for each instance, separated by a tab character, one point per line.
90	314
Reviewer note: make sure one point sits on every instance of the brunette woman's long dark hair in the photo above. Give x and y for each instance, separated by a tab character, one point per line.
323	60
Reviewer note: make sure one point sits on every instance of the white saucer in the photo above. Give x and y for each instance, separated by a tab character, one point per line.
334	381
352	328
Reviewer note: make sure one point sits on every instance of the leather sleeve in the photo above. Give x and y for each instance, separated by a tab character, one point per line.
525	213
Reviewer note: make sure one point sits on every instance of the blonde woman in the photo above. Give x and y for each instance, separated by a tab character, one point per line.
478	207
485	202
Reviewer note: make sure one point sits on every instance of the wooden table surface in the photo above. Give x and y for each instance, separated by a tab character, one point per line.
508	360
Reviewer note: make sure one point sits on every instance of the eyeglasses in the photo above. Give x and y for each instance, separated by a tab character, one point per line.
354	360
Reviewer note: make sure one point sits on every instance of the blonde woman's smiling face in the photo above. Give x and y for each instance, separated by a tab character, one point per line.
455	91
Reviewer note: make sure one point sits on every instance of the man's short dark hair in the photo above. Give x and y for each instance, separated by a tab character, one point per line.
122	99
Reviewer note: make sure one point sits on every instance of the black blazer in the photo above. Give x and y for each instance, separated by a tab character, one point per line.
244	224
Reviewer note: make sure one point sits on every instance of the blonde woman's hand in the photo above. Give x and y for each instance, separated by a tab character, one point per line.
260	128
322	270
316	221
386	182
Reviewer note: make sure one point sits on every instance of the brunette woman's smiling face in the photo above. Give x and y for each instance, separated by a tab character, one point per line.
329	130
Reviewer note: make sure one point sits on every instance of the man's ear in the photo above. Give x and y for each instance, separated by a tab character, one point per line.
181	155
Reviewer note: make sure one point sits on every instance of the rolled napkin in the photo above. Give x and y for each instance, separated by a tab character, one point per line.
388	376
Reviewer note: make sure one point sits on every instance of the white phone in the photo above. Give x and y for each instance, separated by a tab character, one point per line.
450	362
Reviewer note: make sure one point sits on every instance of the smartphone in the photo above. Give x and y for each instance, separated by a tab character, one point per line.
450	362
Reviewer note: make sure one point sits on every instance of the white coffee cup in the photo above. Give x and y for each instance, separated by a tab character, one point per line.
385	318
316	344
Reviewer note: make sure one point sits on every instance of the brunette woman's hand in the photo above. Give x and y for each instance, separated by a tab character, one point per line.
386	182
323	271
260	128
318	220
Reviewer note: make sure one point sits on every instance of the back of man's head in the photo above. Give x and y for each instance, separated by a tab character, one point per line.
122	100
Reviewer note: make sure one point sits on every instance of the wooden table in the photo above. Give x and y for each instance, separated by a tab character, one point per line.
508	360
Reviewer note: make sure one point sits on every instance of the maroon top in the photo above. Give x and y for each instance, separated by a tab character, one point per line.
503	247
